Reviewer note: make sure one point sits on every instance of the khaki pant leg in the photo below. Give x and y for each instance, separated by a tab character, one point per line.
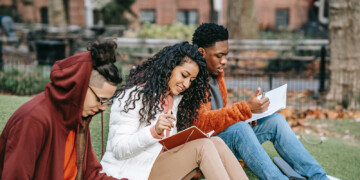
231	164
179	162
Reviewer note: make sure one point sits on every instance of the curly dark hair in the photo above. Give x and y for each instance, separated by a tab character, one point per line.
103	55
153	75
207	34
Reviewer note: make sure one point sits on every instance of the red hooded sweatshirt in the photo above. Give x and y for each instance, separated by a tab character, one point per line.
32	143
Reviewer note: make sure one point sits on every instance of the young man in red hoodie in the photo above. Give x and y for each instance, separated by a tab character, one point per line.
228	121
48	137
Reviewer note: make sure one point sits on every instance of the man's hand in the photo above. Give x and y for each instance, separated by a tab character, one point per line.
258	105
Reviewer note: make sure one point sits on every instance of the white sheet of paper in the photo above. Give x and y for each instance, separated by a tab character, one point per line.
277	98
332	178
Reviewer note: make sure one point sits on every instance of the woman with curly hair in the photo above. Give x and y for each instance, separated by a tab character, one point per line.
170	85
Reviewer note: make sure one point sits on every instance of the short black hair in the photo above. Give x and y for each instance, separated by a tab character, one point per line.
103	55
207	34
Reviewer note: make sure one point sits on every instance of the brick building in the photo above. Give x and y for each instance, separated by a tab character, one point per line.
271	14
164	12
282	14
36	11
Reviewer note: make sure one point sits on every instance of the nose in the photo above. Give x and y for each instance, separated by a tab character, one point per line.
187	83
102	107
223	60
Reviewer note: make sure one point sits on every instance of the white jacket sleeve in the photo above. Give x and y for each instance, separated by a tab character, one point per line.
126	137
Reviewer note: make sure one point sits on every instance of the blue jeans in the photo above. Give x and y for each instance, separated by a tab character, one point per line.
245	142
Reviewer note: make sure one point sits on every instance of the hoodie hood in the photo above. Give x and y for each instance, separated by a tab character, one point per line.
67	89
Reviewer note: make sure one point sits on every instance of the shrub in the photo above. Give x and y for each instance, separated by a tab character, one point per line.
174	31
20	83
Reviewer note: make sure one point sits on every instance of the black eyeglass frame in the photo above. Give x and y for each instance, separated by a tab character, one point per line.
99	100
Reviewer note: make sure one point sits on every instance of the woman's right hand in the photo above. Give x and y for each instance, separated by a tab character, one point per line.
164	124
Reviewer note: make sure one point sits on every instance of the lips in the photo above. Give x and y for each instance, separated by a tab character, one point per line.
180	89
220	69
92	112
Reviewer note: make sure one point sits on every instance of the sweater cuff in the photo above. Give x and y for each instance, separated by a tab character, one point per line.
246	111
155	134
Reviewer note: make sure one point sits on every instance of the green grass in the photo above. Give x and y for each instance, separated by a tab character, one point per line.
341	127
340	158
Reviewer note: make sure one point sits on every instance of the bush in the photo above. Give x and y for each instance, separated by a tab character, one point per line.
174	31
19	83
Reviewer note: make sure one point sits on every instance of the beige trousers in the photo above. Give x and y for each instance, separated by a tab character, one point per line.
211	156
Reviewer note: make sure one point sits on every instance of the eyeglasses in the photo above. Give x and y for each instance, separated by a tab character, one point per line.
99	100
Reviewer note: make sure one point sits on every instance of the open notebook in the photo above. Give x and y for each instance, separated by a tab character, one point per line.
184	136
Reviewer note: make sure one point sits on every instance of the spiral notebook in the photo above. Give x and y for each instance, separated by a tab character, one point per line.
184	136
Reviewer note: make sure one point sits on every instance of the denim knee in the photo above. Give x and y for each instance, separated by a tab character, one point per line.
239	126
276	119
236	132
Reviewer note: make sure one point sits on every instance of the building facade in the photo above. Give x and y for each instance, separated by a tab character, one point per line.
165	12
282	14
36	11
271	14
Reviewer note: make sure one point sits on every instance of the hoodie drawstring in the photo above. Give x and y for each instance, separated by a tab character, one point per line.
102	135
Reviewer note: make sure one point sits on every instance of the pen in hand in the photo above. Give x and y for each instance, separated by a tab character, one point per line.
262	94
172	122
163	124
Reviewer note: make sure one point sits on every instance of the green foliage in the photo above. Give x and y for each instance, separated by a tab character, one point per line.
113	12
19	83
283	35
174	31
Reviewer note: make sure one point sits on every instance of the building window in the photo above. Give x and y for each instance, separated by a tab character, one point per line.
44	15
147	16
188	17
282	18
97	17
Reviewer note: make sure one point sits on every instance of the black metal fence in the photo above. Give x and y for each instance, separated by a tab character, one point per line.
267	64
302	65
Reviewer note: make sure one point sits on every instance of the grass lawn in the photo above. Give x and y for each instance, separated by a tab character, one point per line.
340	157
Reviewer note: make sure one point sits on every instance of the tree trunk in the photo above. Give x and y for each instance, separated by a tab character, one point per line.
213	17
241	21
57	16
345	53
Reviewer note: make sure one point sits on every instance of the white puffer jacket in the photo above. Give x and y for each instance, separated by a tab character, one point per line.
131	149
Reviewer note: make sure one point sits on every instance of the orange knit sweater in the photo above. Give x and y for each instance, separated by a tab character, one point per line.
220	119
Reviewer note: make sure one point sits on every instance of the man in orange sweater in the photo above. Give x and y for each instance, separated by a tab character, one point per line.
228	121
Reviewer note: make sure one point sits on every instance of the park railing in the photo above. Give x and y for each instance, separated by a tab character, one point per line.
302	64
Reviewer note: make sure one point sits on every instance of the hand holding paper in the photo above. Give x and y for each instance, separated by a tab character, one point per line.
277	99
258	105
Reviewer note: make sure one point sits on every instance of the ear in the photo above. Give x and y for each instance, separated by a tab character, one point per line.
202	51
